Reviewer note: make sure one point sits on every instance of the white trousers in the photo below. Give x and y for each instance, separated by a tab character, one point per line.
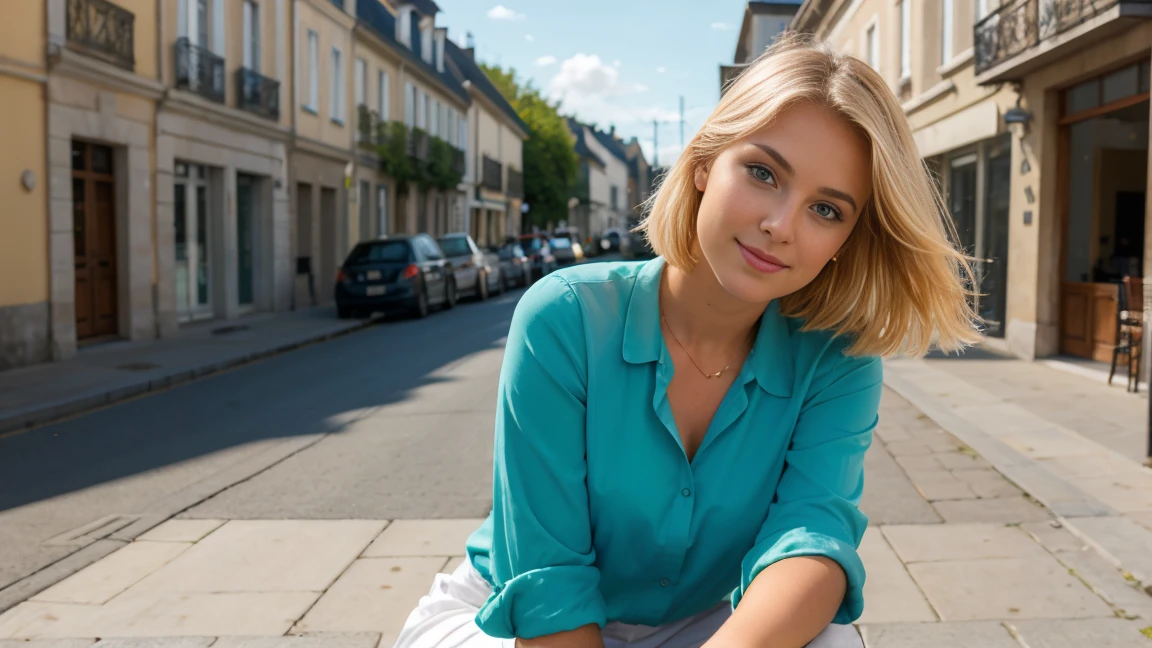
446	618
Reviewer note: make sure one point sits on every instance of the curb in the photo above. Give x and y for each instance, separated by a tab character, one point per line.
37	415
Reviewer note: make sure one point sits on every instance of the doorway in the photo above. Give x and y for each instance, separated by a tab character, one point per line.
193	243
1104	163
247	208
329	241
94	241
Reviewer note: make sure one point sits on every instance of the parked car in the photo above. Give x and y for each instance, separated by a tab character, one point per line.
515	267
395	273
615	240
636	246
477	275
539	252
564	250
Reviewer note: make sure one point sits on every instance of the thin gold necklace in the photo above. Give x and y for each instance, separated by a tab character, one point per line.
702	372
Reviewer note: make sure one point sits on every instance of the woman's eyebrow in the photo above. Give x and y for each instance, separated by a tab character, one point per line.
835	193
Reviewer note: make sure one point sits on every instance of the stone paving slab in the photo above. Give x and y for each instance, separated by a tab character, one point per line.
375	594
1081	633
423	538
47	643
312	640
971	634
920	543
452	564
158	642
266	556
1119	539
1006	588
890	497
101	581
182	530
1005	510
890	594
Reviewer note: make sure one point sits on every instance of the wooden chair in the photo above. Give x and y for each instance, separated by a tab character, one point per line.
1129	329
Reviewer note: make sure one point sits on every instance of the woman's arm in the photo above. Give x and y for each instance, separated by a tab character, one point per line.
788	604
804	571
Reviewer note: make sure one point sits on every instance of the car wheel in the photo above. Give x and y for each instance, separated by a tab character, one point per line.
449	294
482	287
345	312
420	308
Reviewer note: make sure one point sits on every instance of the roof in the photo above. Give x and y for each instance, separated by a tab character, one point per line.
614	146
582	149
470	71
425	7
382	23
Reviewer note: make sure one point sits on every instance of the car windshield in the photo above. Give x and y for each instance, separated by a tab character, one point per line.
455	246
534	243
507	252
561	243
379	252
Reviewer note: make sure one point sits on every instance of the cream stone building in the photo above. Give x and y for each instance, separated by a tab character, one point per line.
1033	114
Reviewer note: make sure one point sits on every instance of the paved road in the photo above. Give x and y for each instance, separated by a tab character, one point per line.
391	422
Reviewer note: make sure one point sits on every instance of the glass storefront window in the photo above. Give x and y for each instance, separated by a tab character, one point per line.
1120	84
1085	96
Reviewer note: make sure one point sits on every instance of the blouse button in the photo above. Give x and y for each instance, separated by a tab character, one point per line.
686	492
665	582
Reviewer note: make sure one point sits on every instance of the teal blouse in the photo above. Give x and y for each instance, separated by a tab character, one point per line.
597	513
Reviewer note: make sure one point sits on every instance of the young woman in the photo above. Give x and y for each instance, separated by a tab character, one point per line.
680	443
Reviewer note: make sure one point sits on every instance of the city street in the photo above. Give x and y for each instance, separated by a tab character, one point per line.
310	498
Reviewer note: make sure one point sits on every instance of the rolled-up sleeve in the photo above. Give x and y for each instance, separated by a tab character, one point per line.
542	556
815	511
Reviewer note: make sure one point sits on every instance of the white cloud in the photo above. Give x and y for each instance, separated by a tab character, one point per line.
500	12
545	61
640	87
585	74
719	26
592	90
616	63
661	70
530	38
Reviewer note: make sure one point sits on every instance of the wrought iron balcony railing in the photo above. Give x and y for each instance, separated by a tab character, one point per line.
1019	25
258	93
104	30
199	71
492	177
515	184
419	144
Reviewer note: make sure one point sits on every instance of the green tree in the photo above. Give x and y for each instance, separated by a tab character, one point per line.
550	162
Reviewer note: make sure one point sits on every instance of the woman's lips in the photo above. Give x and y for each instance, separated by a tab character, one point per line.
762	261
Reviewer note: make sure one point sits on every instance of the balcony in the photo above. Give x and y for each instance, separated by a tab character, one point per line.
1024	35
258	94
458	161
199	70
515	183
419	144
103	30
492	177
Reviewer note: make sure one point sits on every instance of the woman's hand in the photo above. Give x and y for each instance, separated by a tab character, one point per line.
786	606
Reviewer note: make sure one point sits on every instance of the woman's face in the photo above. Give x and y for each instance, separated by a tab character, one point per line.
777	206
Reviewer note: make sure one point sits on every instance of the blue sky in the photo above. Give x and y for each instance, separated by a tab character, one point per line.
621	62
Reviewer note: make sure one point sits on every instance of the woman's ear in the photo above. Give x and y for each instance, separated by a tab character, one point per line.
701	177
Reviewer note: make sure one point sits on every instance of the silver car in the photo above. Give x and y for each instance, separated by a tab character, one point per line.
477	273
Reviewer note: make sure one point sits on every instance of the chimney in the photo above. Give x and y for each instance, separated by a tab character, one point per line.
612	131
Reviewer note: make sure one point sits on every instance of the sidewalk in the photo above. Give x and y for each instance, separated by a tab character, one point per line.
112	372
957	557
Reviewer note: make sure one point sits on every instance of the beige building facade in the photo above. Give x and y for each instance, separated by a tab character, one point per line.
987	87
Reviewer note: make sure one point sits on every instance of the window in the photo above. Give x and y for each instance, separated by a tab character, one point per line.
383	78
251	35
382	209
426	110
409	104
336	88
906	39
615	195
946	32
872	43
360	82
365	198
313	71
381	252
406	27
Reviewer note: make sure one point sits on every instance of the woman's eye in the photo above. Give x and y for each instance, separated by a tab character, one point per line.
762	174
827	212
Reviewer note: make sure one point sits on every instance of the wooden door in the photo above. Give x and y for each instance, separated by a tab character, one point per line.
94	240
1088	320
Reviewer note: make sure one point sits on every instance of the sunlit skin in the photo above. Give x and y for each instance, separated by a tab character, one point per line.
777	206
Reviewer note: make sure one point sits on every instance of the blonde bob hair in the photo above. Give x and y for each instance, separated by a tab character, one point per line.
899	285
